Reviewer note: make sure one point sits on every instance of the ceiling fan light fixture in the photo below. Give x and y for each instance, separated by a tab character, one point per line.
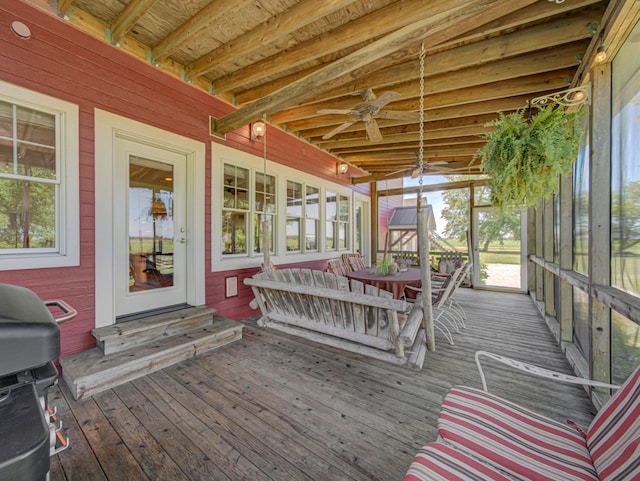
258	130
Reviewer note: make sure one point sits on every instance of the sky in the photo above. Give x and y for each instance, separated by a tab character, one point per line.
433	198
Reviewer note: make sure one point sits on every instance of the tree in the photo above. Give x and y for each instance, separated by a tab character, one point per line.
495	226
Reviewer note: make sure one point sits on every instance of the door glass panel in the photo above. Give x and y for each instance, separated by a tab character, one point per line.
498	246
151	227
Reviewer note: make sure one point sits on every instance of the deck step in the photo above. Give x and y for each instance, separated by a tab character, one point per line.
120	337
90	372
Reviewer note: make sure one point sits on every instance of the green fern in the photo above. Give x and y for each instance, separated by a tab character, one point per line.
524	157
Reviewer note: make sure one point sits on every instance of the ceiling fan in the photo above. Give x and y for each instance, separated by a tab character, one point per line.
368	111
428	167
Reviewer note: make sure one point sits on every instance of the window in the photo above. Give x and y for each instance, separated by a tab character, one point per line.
238	218
39	225
337	221
331	219
294	216
298	207
581	321
343	222
625	168
265	208
235	214
581	203
312	218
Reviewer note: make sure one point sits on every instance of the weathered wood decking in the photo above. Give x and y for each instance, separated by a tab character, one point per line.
275	407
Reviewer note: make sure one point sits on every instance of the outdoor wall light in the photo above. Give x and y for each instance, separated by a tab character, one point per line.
601	54
258	130
342	168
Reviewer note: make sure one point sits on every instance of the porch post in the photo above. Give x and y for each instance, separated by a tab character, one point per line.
599	221
375	222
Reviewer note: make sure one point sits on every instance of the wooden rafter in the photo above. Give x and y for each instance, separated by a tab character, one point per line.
536	37
270	31
451	22
194	27
128	18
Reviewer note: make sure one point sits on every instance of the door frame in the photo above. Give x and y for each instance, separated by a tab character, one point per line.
474	249
108	127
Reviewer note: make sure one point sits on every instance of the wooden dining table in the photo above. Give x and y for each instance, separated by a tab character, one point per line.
393	283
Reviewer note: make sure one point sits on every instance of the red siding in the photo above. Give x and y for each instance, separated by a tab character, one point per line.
63	62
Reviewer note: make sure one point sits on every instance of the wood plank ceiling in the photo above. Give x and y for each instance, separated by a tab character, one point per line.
295	59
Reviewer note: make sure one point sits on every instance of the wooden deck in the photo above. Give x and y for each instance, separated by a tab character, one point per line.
274	407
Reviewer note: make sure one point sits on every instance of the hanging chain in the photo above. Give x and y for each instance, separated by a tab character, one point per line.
421	142
264	170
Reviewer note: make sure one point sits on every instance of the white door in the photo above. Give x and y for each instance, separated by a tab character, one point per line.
149	227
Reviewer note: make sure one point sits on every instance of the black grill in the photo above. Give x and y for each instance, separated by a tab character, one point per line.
29	343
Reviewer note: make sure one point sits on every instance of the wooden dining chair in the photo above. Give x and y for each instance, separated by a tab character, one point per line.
337	267
353	262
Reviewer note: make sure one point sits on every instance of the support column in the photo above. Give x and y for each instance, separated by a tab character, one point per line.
600	220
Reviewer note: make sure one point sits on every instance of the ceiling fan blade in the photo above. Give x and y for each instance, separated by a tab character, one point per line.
399	115
384	99
339	111
338	129
373	132
397	172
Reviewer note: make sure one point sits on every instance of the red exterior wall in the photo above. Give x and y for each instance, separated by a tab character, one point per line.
60	61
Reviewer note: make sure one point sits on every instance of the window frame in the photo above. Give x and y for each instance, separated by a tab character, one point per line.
223	154
67	251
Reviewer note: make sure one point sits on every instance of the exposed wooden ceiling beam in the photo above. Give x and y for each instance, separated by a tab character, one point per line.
411	137
440	27
537	37
462	140
194	27
63	5
382	21
623	13
272	30
406	150
129	17
308	128
461	184
514	67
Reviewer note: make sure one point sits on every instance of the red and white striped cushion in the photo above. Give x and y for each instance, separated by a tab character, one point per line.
516	440
437	461
614	435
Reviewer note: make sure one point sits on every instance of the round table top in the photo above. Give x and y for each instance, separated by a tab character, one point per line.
393	283
412	274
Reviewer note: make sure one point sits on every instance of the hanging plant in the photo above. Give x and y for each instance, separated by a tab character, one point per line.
524	157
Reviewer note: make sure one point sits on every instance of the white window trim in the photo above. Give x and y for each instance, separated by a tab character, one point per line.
68	253
220	155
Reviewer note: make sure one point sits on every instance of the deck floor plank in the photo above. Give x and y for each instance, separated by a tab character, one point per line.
274	407
325	428
206	403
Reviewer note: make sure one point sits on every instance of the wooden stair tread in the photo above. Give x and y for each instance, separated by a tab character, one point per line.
139	325
89	372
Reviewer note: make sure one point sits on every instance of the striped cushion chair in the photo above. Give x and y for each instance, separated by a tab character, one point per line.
441	462
526	445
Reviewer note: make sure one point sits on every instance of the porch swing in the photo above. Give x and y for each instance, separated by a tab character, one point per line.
331	310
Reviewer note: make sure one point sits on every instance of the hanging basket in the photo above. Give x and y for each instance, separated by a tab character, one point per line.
524	156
